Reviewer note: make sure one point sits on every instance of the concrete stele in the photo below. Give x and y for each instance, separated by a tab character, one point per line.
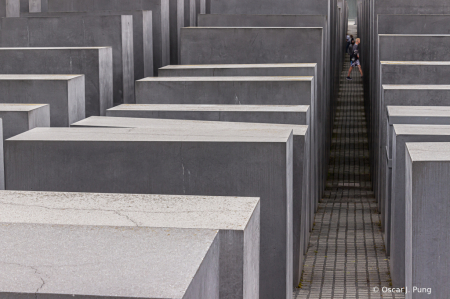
18	118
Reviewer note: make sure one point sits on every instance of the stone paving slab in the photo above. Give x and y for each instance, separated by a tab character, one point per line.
346	256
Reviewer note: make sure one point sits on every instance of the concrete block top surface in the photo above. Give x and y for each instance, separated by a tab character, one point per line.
52	48
125	262
429	130
429	151
418	111
170	124
20	107
235	108
229	79
151	134
143	210
237	66
415	87
38	77
415	62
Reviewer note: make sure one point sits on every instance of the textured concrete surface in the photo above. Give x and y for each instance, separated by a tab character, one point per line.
2	164
152	161
303	199
94	62
287	114
18	118
80	31
236	218
65	260
176	22
142	35
427	221
402	135
10	8
266	7
160	19
413	24
64	93
345	257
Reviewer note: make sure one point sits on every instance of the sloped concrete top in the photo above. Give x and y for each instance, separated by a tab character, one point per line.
197	125
416	62
20	107
416	86
147	134
38	77
418	111
100	261
402	129
238	66
229	78
54	48
103	209
237	108
429	151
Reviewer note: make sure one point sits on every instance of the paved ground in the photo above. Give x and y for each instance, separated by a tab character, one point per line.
346	256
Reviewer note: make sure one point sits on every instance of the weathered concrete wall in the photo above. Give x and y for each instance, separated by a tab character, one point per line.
94	62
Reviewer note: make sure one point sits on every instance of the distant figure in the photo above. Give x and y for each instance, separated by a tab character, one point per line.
350	49
354	57
348	42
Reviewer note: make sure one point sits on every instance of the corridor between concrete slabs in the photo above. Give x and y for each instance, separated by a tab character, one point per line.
346	256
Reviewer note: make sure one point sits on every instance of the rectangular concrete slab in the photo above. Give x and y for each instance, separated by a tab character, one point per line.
176	22
80	31
94	62
10	8
64	93
236	218
302	197
18	118
160	19
427	221
142	36
402	135
282	7
108	262
287	114
2	165
254	162
413	24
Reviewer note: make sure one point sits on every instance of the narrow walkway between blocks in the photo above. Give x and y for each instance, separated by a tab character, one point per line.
346	256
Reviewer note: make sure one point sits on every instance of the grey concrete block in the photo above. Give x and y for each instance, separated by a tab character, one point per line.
64	93
236	218
402	135
413	24
145	262
427	221
302	198
282	7
94	62
74	30
172	161
298	115
252	20
2	165
19	118
160	19
176	22
10	8
238	70
142	36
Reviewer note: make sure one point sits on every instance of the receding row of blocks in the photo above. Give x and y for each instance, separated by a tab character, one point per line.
409	133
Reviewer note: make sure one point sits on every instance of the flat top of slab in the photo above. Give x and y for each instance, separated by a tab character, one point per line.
237	108
20	107
53	48
238	66
143	210
406	35
429	151
417	111
229	78
197	125
416	62
415	86
152	134
101	260
402	129
38	77
251	28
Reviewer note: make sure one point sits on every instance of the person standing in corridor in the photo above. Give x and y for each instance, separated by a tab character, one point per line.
354	57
